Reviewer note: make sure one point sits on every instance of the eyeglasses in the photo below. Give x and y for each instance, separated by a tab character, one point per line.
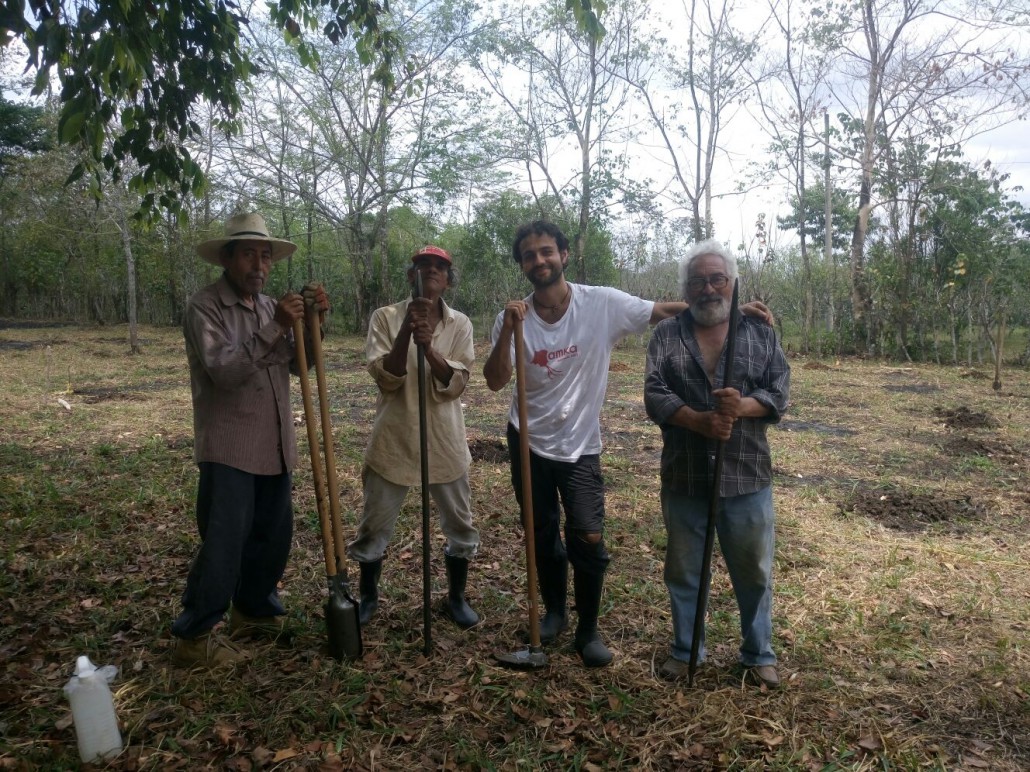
717	280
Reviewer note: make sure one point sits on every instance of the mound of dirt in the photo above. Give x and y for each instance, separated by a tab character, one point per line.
970	446
618	367
907	511
974	374
816	366
964	418
490	451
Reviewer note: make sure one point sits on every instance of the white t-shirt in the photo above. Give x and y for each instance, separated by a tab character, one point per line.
567	368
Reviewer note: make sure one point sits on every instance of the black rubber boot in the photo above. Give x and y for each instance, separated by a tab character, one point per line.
455	606
588	643
369	589
553	577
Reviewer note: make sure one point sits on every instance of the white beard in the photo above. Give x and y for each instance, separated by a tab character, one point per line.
711	313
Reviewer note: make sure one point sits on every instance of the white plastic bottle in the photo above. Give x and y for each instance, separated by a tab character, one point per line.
96	725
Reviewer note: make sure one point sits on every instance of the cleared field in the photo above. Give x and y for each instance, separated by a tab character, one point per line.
902	608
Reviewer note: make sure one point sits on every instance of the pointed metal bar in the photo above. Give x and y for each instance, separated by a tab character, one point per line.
714	500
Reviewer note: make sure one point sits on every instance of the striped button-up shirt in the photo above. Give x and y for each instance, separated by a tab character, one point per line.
676	377
239	362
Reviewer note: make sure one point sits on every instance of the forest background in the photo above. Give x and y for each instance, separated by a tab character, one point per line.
451	122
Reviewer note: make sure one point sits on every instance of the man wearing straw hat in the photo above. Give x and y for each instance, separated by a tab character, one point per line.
239	344
392	459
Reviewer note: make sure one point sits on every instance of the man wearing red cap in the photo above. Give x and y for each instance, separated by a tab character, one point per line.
392	460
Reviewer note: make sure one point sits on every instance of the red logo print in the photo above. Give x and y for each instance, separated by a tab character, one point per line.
543	358
540	360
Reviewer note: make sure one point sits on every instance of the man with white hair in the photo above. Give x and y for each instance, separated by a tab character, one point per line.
685	395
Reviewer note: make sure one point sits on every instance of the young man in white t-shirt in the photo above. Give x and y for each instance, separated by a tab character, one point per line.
569	332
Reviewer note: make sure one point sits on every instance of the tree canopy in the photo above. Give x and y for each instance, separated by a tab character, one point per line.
361	131
22	130
132	74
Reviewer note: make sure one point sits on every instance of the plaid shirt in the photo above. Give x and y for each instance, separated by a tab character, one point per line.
676	377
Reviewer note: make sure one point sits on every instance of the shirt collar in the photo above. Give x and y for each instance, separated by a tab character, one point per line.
228	294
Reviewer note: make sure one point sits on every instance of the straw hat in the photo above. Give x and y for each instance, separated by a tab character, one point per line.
245	227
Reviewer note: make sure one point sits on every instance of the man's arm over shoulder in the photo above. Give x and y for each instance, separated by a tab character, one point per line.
666	310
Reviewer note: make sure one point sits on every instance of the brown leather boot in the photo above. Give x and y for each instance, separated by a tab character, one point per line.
244	626
208	651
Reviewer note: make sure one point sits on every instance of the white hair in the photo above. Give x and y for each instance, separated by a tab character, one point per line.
702	249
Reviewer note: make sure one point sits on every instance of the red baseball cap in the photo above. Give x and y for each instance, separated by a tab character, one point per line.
430	251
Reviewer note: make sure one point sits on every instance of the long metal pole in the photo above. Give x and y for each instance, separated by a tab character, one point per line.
714	500
423	444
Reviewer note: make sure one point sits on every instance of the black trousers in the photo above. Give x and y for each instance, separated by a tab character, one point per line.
579	487
246	527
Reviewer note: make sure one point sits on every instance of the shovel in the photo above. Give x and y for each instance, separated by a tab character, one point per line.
532	658
713	505
341	612
423	454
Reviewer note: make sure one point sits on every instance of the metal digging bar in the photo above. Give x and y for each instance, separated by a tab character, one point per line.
423	454
341	617
713	506
532	658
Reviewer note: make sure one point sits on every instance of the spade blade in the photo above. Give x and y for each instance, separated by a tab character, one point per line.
525	659
341	618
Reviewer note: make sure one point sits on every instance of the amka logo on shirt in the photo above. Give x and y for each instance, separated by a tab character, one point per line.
544	358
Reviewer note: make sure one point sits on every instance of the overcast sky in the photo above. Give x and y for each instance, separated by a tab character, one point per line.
744	143
1007	148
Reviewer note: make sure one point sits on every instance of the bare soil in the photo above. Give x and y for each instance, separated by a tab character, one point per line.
964	418
901	607
912	511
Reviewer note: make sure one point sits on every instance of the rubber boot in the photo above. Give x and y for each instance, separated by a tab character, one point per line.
553	577
368	587
588	643
455	606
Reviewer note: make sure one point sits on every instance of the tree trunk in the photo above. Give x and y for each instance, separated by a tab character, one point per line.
998	349
827	227
860	301
130	281
584	172
806	263
10	305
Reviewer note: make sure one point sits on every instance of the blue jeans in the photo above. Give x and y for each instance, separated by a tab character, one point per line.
745	527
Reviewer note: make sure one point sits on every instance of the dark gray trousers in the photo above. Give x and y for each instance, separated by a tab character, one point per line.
246	526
